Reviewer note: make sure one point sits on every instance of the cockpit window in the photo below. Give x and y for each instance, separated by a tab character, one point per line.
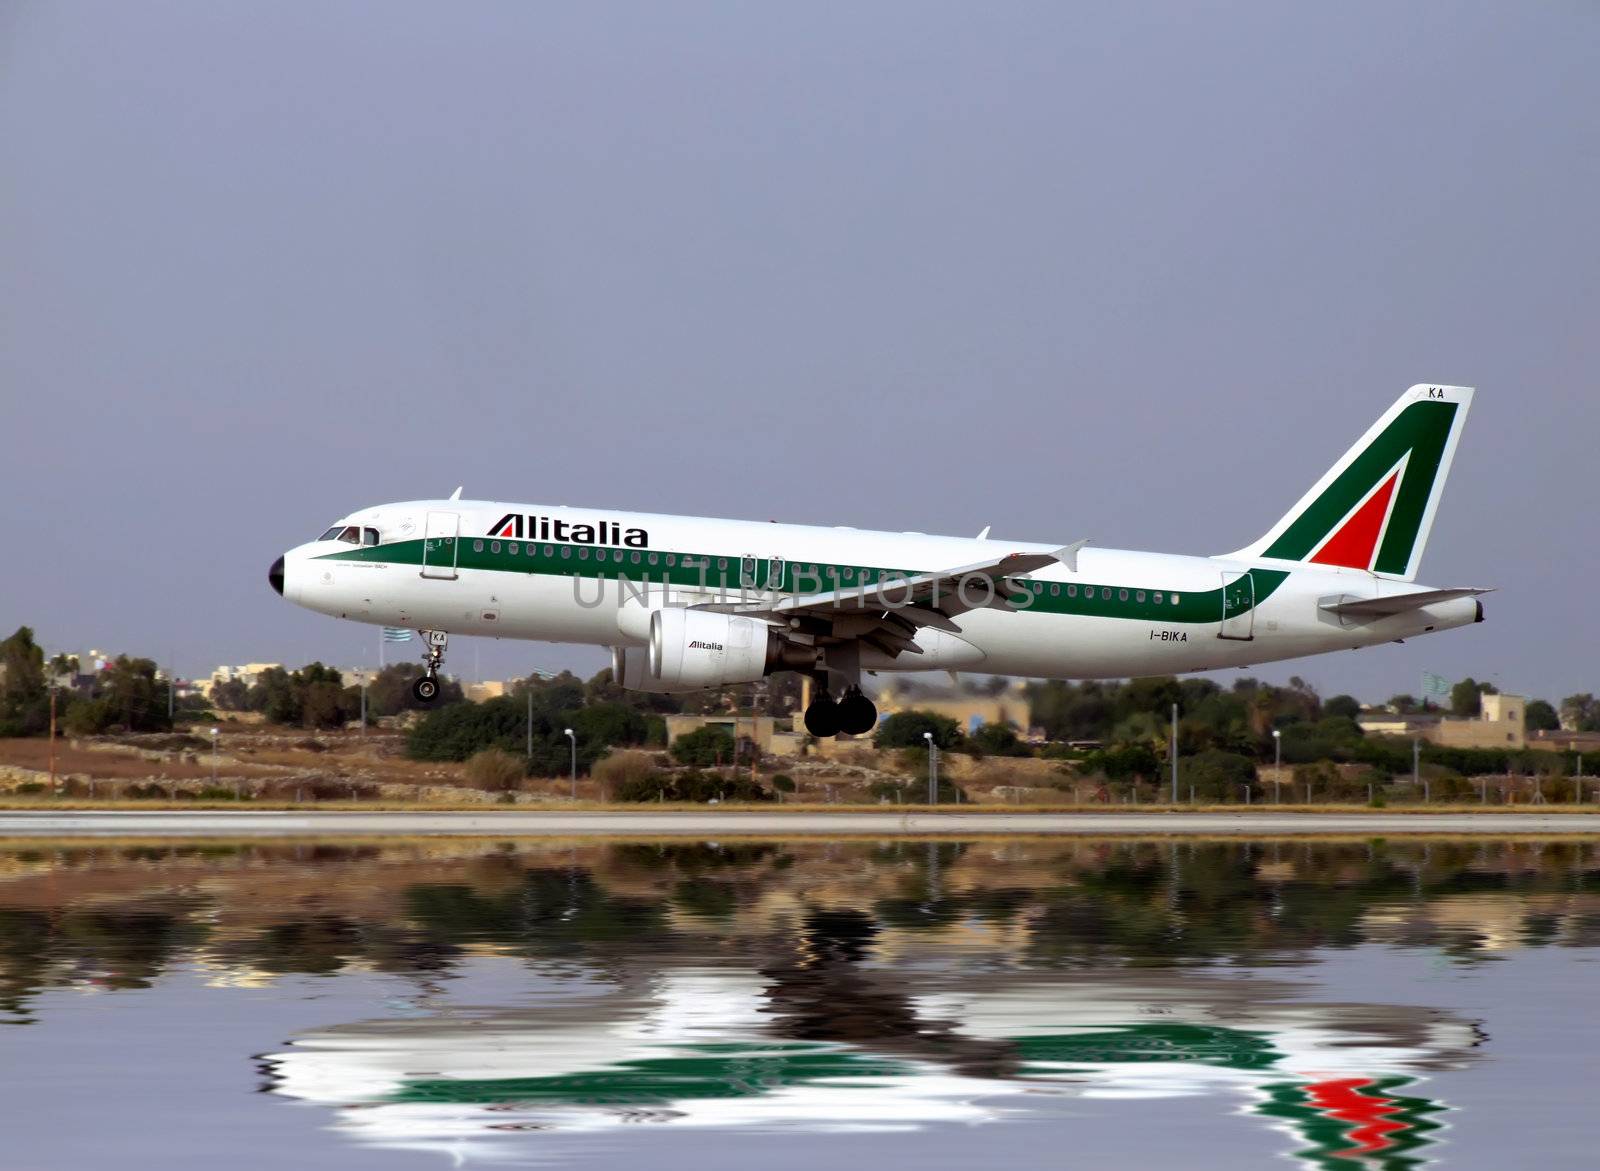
351	535
369	536
332	534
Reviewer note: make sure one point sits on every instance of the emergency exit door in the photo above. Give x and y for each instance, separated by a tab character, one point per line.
1238	607
440	539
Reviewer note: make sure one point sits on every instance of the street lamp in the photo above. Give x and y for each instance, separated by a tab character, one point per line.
1277	765
573	736
213	758
933	769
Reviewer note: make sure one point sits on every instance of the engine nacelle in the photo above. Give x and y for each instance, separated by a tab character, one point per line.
701	648
630	668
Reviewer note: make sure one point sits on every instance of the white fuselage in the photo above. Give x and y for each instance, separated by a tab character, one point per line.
435	566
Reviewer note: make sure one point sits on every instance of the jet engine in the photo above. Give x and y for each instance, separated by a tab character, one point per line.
692	649
630	669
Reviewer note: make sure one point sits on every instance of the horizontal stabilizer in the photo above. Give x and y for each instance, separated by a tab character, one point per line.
1395	603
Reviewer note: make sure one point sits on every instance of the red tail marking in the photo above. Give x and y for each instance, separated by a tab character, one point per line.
1344	1101
1354	543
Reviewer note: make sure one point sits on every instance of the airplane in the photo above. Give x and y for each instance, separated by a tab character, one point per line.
688	603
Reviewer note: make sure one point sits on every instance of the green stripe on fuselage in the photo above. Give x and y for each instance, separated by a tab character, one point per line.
722	573
710	572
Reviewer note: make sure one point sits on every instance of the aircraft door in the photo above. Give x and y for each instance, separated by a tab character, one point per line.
440	545
1238	607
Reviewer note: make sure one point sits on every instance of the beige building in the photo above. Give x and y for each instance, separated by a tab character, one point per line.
488	689
1011	706
771	735
247	674
1499	724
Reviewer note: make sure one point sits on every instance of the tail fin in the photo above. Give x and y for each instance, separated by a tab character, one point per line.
1373	508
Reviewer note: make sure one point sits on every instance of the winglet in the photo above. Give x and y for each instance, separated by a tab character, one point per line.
456	495
1068	554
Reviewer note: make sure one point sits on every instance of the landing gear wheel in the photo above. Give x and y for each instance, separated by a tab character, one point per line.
426	689
857	714
822	718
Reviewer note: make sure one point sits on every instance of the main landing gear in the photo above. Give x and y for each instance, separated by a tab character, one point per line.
853	714
426	689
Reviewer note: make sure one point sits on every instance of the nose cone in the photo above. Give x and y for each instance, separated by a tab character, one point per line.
275	575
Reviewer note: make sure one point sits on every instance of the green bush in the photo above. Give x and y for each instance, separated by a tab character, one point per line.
1124	762
1217	776
691	785
783	783
996	740
705	747
494	770
905	730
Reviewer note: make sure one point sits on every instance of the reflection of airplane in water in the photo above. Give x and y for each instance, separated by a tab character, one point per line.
819	1041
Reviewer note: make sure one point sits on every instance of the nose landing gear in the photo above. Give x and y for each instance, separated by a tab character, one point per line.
426	689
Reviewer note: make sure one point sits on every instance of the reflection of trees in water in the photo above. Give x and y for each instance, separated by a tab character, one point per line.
121	917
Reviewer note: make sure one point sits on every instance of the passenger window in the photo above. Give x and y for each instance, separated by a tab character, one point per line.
616	555
1122	595
494	546
369	536
635	558
1055	591
652	559
1158	597
672	558
1072	591
566	552
1174	599
1139	597
513	550
1038	587
477	546
1105	592
583	554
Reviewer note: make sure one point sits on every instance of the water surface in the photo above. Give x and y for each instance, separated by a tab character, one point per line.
780	1004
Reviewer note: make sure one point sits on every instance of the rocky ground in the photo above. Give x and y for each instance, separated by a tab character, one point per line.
262	762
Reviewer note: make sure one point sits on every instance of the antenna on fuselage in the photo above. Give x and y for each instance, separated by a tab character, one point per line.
456	495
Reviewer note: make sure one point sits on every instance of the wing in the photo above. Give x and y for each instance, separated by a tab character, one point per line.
887	614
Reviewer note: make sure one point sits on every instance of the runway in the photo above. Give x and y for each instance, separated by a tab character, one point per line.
682	823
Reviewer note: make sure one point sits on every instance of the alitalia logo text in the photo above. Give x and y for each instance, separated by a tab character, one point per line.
520	526
699	645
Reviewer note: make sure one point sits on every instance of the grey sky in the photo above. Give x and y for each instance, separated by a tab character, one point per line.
1135	272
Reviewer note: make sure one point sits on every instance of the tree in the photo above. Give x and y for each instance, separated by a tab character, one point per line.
615	725
1342	705
1540	716
996	740
1217	776
1466	697
905	730
24	699
389	692
1580	713
231	695
705	746
1124	762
